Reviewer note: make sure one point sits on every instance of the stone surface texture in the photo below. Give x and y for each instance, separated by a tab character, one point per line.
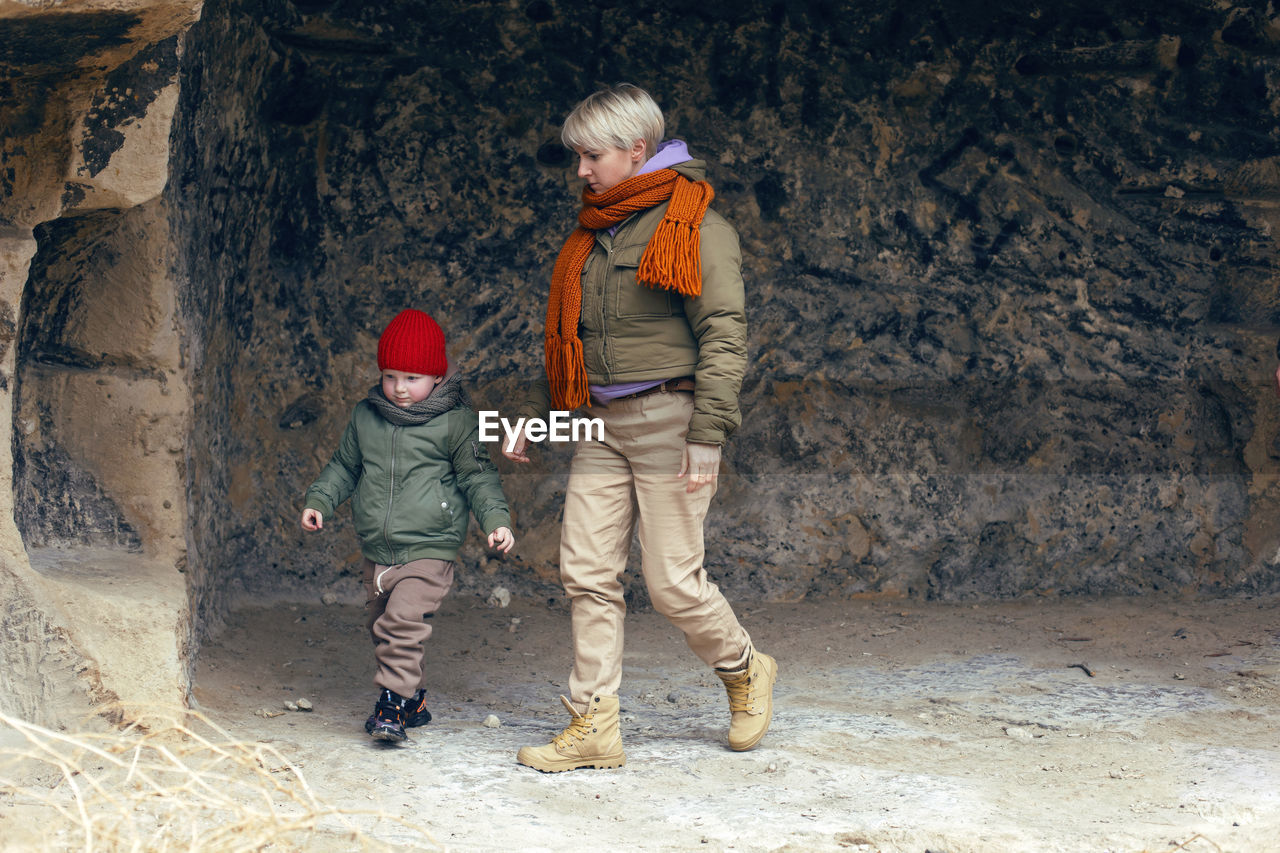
1012	278
1011	271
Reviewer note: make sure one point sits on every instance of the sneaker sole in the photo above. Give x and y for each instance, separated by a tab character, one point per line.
413	722
388	735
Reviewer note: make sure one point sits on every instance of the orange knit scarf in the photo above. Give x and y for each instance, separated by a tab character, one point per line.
670	261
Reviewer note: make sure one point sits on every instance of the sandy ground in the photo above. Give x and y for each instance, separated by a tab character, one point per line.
1126	725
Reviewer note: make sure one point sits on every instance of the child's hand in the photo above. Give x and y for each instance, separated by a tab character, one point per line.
502	539
312	519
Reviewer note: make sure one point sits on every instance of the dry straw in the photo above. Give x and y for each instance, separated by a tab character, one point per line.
172	782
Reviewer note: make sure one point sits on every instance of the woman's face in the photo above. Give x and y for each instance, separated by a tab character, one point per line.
605	168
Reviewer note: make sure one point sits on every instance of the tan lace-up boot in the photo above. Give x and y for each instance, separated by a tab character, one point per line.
590	740
750	699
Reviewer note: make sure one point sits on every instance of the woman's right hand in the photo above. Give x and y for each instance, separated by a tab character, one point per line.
518	447
312	519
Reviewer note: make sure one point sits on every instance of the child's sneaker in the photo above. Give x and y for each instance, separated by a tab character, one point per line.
387	721
415	712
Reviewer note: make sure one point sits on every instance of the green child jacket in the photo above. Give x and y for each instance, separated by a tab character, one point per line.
412	487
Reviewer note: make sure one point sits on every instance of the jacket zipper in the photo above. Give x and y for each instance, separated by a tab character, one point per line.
391	494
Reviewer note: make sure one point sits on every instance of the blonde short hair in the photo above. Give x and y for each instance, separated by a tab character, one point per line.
614	117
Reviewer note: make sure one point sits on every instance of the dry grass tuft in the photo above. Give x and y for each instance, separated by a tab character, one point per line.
172	781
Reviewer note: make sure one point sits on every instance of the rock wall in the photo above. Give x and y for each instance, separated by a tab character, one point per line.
94	411
1011	271
1012	275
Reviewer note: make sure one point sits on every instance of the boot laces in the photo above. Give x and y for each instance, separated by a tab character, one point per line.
741	696
578	728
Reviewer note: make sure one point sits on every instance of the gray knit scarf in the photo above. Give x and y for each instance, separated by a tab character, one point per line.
448	395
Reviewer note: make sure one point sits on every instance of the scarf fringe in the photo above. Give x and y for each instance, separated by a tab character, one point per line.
567	373
672	260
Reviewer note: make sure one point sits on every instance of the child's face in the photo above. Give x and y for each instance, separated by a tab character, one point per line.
405	389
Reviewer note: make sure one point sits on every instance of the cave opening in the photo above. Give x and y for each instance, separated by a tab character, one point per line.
1012	284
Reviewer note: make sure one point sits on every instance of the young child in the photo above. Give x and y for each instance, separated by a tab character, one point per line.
412	462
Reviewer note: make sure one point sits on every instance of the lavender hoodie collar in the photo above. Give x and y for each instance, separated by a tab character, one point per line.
673	152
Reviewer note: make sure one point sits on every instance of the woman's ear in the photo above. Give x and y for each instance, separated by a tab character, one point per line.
638	151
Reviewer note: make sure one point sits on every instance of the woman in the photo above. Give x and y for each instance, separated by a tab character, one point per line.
646	325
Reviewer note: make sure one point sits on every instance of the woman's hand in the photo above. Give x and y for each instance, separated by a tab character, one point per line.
312	519
502	539
517	451
701	462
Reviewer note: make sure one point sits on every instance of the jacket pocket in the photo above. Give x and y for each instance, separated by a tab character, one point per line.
441	509
632	299
424	515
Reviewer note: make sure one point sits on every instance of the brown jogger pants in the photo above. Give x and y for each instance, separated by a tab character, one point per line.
399	601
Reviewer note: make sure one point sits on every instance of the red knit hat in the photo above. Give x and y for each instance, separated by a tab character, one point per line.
413	343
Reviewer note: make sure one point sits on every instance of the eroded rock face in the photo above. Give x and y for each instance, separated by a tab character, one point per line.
102	403
1011	271
93	395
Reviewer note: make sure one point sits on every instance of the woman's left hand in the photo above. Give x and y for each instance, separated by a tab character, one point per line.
701	463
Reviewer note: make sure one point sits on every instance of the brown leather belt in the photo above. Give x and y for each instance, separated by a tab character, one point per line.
684	383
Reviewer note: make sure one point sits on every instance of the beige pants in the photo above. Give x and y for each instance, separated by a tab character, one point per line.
627	484
399	603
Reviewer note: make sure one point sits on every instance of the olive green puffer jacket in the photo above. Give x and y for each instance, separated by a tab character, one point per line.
632	332
412	486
